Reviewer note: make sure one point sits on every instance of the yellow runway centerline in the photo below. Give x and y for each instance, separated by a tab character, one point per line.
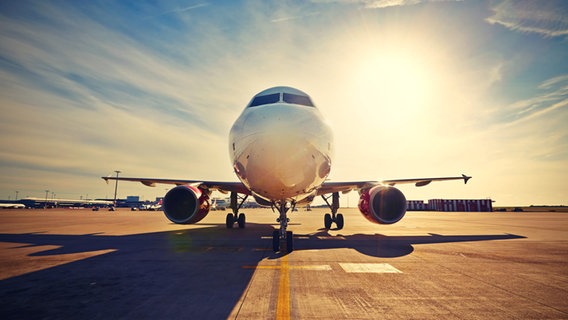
283	305
283	299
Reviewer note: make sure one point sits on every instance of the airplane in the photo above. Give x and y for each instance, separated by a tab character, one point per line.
154	206
68	202
281	150
12	206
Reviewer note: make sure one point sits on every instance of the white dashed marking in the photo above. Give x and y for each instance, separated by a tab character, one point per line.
331	237
369	268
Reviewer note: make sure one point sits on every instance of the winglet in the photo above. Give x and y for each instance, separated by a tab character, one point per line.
465	178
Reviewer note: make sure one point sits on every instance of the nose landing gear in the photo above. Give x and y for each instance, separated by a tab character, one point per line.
282	240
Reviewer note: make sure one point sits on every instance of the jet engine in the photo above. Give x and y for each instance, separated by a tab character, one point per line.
186	204
382	204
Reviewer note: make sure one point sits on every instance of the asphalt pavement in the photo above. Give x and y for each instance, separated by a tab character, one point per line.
81	264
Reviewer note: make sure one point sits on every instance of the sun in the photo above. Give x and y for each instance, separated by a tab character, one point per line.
397	83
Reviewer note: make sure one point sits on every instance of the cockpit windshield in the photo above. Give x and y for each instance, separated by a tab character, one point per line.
267	99
286	97
297	99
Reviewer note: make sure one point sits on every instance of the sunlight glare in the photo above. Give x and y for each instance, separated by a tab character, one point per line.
395	84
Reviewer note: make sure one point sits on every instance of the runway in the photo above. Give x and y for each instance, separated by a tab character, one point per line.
60	263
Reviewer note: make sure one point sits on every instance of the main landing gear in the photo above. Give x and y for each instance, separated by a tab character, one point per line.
282	240
240	219
328	219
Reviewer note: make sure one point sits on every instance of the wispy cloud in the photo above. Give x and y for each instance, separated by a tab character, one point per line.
389	3
188	8
553	96
75	92
294	17
379	4
529	136
548	18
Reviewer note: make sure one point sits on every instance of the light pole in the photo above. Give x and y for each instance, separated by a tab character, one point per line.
45	204
116	187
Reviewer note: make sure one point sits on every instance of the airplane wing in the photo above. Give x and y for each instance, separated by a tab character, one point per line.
327	187
210	185
330	187
420	182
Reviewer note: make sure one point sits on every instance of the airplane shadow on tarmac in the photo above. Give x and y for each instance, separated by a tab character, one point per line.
382	246
191	273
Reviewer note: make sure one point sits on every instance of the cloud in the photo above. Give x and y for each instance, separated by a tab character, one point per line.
548	18
380	4
375	4
79	98
552	96
294	17
188	8
530	140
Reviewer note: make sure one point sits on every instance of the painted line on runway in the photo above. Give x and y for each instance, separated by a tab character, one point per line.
368	268
304	237
313	267
331	237
283	300
347	267
283	304
295	237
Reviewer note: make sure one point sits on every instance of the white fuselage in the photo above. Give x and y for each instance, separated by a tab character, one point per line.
281	151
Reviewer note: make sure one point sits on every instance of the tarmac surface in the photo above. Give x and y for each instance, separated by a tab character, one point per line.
80	264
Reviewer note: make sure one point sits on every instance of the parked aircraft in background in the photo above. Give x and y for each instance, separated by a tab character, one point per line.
218	204
281	150
154	206
12	206
51	202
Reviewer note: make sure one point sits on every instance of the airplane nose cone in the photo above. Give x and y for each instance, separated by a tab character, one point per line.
283	168
281	151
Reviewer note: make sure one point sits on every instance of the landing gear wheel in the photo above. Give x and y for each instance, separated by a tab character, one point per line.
241	221
327	221
339	221
276	240
230	221
289	241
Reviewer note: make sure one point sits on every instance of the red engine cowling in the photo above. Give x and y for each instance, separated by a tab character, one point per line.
186	204
382	204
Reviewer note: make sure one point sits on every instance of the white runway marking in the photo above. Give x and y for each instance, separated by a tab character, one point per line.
369	268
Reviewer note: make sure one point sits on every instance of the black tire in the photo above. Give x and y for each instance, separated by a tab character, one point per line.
339	221
327	221
230	221
241	221
289	241
276	240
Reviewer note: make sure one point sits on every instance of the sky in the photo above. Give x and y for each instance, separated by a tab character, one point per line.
412	89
